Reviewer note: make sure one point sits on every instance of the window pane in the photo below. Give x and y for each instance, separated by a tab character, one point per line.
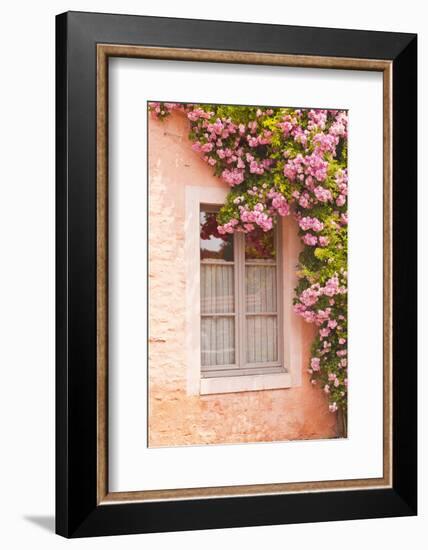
213	245
260	284
217	341
262	338
217	288
260	245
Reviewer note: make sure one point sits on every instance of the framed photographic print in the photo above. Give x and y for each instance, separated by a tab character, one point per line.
236	274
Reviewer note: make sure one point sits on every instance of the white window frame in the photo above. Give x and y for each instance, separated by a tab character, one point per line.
289	349
241	367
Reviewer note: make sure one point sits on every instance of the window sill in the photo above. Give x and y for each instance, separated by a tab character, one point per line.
255	382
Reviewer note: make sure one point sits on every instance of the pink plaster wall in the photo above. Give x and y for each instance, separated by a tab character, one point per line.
174	417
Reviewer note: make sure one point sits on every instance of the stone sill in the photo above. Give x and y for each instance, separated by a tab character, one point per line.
255	382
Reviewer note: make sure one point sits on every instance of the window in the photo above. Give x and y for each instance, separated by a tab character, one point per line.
241	330
239	301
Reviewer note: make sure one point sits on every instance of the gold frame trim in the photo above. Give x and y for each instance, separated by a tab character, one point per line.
104	51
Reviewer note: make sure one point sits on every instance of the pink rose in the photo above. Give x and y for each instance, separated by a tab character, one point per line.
309	239
315	363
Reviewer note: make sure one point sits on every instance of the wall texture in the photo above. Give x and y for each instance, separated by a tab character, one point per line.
174	417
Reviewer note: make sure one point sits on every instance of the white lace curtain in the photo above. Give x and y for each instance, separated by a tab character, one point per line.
219	316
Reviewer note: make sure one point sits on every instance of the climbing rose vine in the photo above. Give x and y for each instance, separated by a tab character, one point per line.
277	162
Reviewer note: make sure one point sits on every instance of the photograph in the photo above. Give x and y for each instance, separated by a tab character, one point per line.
247	273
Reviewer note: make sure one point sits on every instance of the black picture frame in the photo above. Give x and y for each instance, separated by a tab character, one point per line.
77	511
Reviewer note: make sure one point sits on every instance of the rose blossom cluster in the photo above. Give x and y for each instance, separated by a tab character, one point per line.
238	147
162	110
248	220
279	162
310	295
328	364
271	203
317	119
311	223
301	167
341	180
279	203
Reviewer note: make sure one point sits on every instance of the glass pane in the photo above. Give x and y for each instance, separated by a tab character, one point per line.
260	288
262	342
217	341
217	288
213	245
260	245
